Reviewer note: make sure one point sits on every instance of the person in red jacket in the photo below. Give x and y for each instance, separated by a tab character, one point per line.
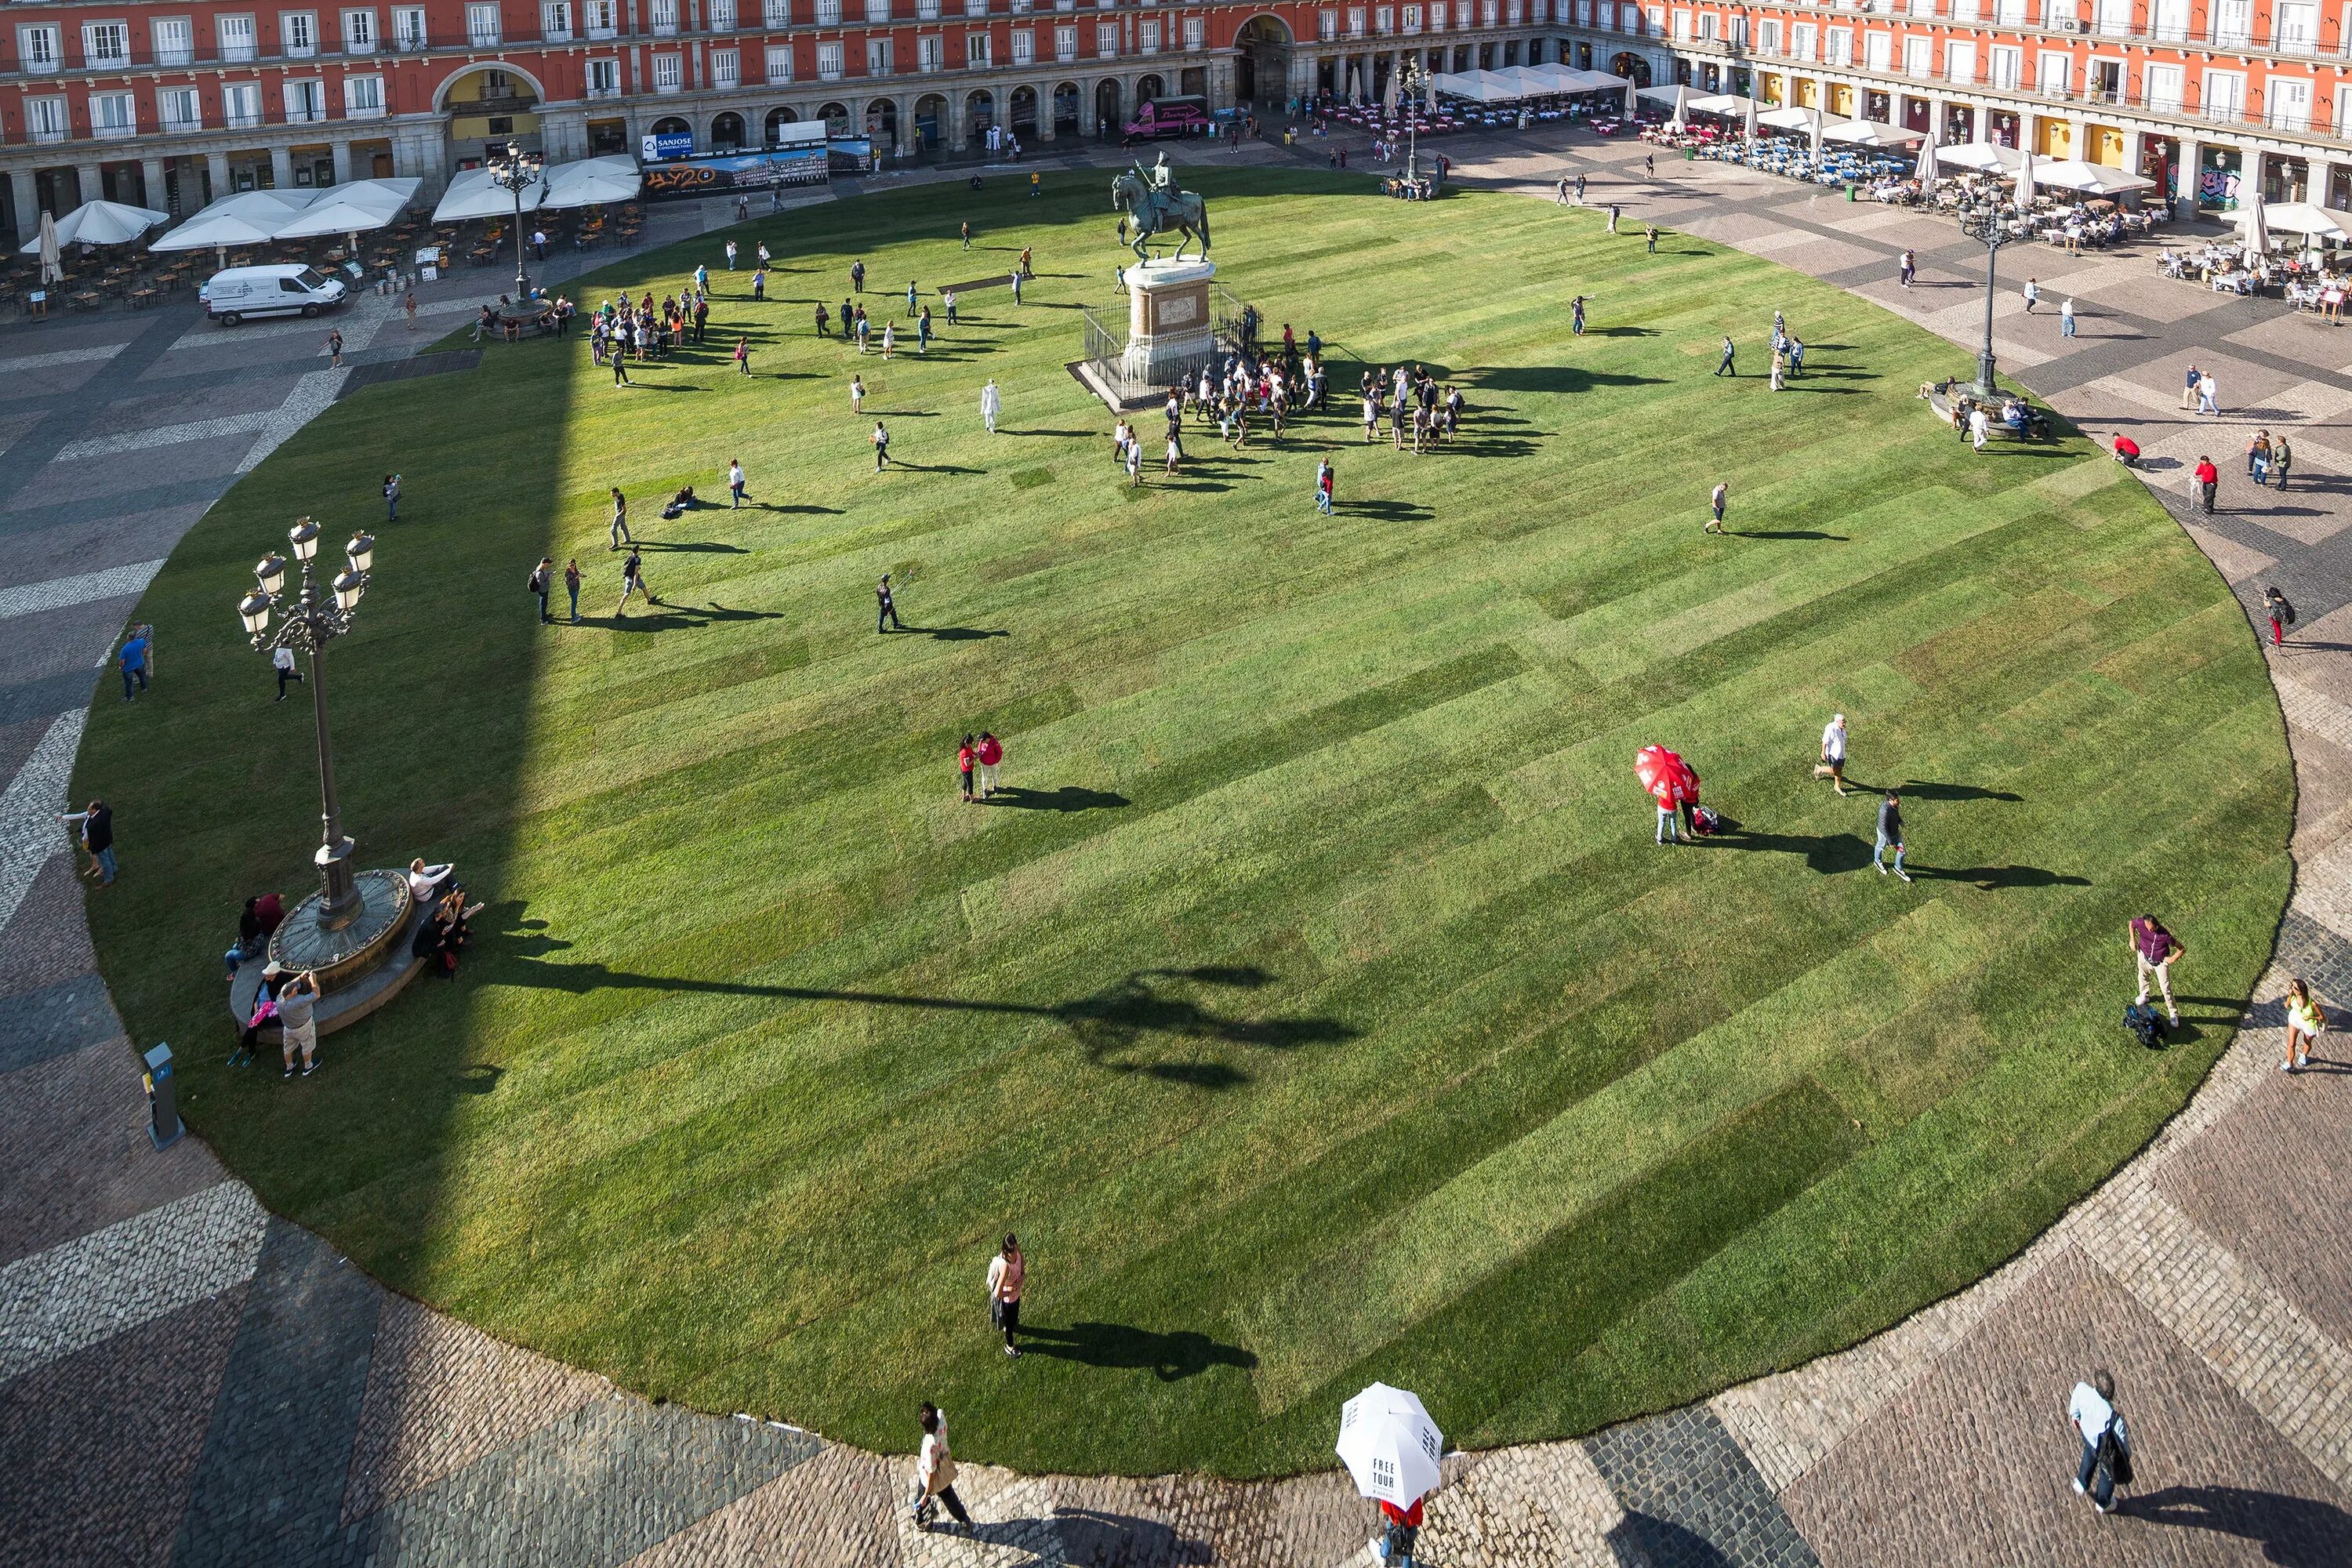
2209	479
2126	451
990	753
963	766
1395	1544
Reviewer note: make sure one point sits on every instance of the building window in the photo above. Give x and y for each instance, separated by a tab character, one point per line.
975	51
180	109
828	62
780	62
1801	40
1878	51
828	13
1840	42
1383	19
719	14
408	30
726	67
37	49
1919	57
235	37
105	44
241	105
602	18
604	77
482	29
305	101
930	53
927	10
2233	23
2007	66
1065	42
299	30
975	8
2225	95
661	17
2163	84
175	40
1024	47
877	57
113	114
1707	24
1960	63
45	120
879	10
1516	11
1105	40
2053	74
670	73
1327	25
2296	29
1195	31
1683	25
1147	37
2057	16
363	96
1355	21
779	13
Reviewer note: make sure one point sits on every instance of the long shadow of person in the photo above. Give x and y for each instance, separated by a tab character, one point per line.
2293	1532
1990	877
1169	1357
1069	797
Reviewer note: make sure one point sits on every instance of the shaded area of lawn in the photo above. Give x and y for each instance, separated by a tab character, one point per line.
1312	999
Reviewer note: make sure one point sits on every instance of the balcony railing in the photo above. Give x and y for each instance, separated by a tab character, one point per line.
242	119
113	132
48	133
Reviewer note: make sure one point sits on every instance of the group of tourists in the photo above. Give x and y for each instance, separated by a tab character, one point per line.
640	330
1421	411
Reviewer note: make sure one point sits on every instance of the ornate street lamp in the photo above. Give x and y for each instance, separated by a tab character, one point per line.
310	622
513	170
1991	226
1411	83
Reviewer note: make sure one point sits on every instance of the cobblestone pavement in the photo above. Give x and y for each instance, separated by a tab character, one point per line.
185	1379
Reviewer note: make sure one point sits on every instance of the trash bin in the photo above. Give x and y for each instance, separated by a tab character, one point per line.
163	1108
1849	193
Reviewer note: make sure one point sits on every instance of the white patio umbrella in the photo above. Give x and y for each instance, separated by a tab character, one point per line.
1817	128
2256	224
53	268
1680	118
350	209
1924	170
2307	219
1785	119
1391	100
2025	179
1628	100
472	194
2090	179
593	182
1979	157
103	223
215	234
1748	128
1390	1444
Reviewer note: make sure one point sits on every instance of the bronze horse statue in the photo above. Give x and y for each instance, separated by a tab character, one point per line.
1154	211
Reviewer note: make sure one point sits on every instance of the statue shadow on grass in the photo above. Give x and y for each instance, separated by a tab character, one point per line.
1151	1023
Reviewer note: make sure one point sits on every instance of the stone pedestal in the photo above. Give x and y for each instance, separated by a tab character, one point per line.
1170	331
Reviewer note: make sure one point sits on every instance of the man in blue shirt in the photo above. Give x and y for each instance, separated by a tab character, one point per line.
134	659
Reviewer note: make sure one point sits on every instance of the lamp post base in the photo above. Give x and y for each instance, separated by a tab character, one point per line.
340	951
1988	385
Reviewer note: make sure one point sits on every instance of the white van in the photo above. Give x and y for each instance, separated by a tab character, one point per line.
288	289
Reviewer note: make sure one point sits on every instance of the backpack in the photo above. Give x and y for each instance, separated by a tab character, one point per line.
2286	610
2117	1442
2145	1024
1704	821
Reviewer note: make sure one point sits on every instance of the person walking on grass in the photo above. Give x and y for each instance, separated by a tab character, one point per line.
885	606
935	1473
95	823
1979	426
1725	366
633	581
2304	1020
1833	763
992	403
2153	951
572	586
735	481
759	290
1016	286
967	234
1323	487
743	354
1576	315
881	439
2209	480
1890	835
281	658
298	1022
2107	1441
1134	462
620	368
857	276
542	583
132	661
2281	614
857	395
391	498
620	529
1650	234
730	256
1716	503
990	754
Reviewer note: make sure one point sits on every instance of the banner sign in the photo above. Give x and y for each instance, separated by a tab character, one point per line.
738	172
677	144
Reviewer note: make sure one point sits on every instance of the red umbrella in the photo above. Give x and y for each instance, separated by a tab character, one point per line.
1663	773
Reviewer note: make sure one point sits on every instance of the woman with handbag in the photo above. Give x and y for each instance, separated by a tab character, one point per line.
935	1471
2304	1020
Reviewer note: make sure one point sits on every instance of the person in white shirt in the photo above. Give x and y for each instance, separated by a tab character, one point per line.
2093	1410
1006	1272
1833	765
935	1471
425	881
990	404
1979	426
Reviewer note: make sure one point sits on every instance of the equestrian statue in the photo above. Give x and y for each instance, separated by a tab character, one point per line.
1151	201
